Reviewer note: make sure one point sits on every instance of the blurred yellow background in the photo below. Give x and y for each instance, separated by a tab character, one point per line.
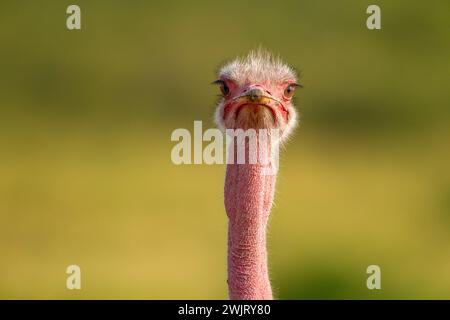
85	170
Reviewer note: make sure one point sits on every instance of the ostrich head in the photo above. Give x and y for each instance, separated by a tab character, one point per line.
257	93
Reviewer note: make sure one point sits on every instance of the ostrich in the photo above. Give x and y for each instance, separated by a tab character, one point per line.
257	93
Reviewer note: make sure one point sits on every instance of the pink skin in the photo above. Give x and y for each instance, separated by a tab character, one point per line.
249	193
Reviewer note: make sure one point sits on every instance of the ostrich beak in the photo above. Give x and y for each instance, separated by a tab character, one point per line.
255	94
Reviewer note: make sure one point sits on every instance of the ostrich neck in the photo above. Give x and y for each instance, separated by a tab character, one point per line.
249	191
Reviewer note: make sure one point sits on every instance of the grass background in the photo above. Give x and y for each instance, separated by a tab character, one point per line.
85	170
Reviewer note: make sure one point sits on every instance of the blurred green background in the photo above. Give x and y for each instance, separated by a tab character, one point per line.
85	170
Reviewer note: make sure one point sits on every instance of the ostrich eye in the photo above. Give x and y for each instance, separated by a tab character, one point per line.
290	90
223	87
